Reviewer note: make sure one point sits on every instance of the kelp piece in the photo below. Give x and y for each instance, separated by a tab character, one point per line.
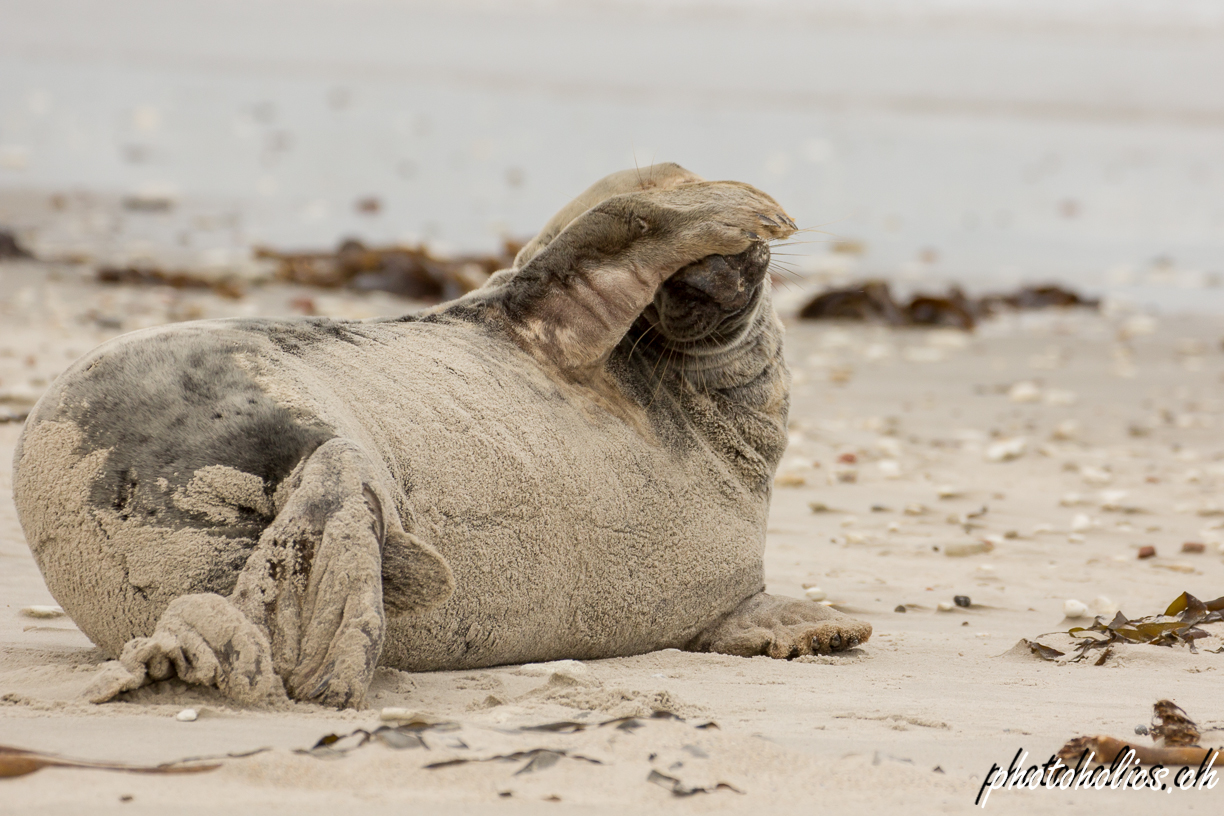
19	762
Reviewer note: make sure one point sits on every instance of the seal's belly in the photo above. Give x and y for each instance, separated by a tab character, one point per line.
570	532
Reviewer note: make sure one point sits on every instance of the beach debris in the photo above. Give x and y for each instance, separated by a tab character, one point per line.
900	608
1024	391
538	759
914	509
42	612
1074	609
962	601
1175	734
820	507
228	286
945	606
1193	547
1081	522
947	491
1147	551
678	788
19	762
873	301
815	593
1005	450
11	248
1178	625
963	549
790	480
187	715
404	270
1041	650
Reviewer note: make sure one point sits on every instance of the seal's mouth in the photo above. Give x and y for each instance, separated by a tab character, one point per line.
704	296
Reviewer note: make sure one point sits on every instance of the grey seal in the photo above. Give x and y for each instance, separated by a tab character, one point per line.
574	461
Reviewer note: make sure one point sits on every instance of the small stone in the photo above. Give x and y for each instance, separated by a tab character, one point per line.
1066	430
960	550
815	593
889	468
1104	607
1007	449
819	507
1141	730
946	606
1024	391
962	601
847	459
1081	522
1076	538
1147	551
900	608
187	715
790	480
1074	609
1194	547
914	509
42	612
948	491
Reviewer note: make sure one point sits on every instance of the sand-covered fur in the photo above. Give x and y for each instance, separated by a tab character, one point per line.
572	462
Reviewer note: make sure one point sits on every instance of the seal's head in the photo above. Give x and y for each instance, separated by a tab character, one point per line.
708	299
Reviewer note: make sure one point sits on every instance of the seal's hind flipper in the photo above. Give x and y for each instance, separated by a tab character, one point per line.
315	581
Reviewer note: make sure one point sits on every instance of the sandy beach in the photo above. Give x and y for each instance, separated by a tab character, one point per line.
961	491
1022	465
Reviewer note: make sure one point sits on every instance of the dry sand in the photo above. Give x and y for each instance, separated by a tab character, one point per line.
1119	415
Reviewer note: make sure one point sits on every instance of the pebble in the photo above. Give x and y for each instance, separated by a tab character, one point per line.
1074	609
889	468
914	509
970	548
1081	522
1194	547
1007	449
946	606
962	601
1147	551
948	492
900	608
1025	391
42	612
815	593
187	715
1104	607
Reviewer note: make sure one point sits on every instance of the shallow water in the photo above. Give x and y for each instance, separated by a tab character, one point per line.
986	143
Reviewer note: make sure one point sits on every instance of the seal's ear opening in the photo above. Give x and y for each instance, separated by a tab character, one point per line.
695	301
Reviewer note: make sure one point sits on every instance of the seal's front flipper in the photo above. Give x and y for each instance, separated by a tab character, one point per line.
783	628
202	639
572	298
315	581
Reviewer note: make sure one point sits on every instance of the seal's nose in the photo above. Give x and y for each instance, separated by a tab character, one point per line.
727	278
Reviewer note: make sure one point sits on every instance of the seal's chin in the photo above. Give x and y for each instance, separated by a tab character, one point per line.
704	296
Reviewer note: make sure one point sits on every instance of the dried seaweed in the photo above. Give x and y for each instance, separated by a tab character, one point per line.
1175	734
1179	624
11	248
408	271
678	788
872	301
19	762
1171	725
1042	651
534	762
